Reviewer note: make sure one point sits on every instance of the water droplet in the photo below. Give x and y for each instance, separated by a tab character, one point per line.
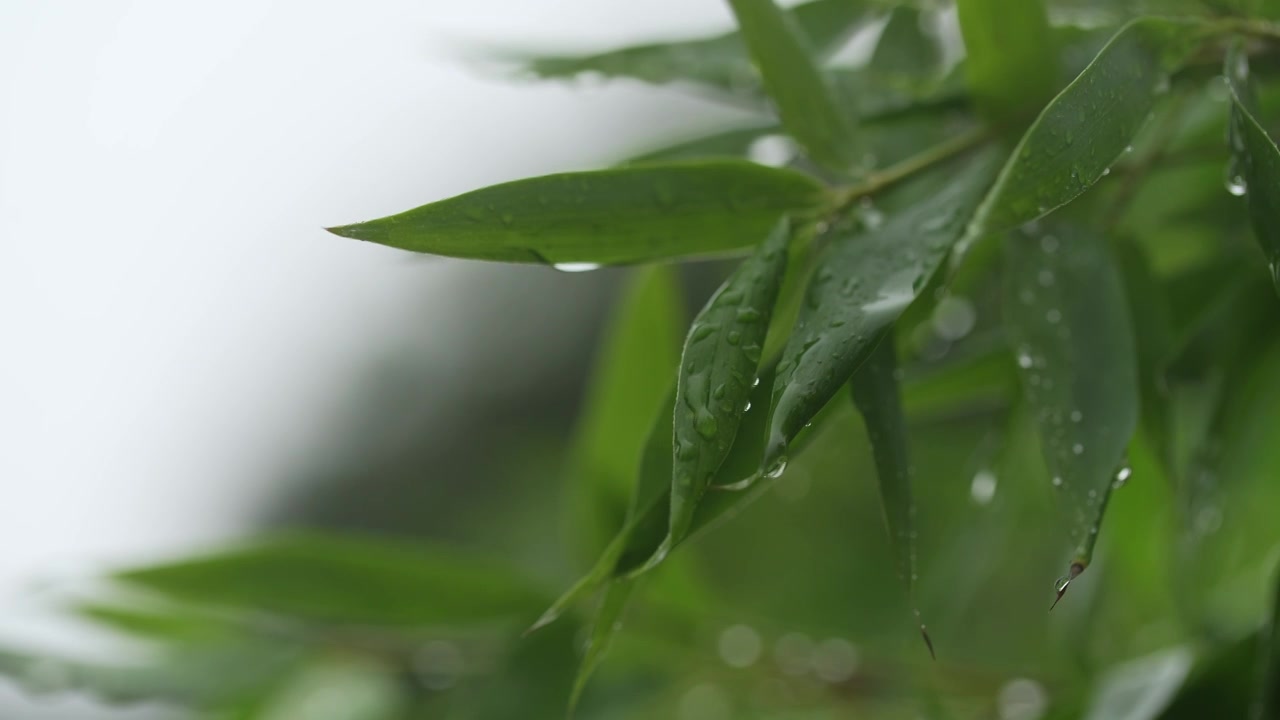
719	391
1078	449
1061	583
983	487
1024	359
755	383
739	646
1123	473
954	318
747	407
734	337
706	425
773	150
1057	481
779	466
1076	416
748	315
701	332
1234	179
871	216
576	267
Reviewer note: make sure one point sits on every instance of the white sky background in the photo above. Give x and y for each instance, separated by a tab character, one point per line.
174	326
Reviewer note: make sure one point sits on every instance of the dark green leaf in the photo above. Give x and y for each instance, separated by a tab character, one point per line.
345	580
1269	698
719	61
633	370
864	281
876	395
1087	126
1255	166
717	373
650	212
805	97
1010	56
1068	320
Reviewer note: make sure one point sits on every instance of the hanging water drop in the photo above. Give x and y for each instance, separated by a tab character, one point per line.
576	267
1234	179
1122	476
778	467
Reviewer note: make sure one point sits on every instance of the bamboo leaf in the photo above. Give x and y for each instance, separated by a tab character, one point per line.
650	212
604	628
1011	59
864	282
717	373
805	97
1269	697
904	49
1078	136
1255	168
1067	318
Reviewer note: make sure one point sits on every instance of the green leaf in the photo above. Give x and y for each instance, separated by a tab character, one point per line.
720	61
735	143
1087	126
864	282
632	373
650	212
338	687
717	373
1269	698
1067	318
876	395
604	628
1140	689
905	49
1010	55
345	580
1255	166
805	97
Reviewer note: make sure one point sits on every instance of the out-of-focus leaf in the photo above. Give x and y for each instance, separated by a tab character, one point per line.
1141	689
734	143
346	580
905	49
1220	685
605	626
720	62
717	373
1087	126
805	97
648	212
864	282
633	370
1068	321
875	393
1255	166
1269	696
1010	55
1154	342
337	688
176	624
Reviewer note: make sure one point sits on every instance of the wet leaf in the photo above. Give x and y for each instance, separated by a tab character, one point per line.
1011	60
806	99
1067	319
1255	165
632	372
345	580
720	62
865	279
649	212
876	395
717	373
1078	136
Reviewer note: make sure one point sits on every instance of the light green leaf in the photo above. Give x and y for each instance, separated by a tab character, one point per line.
345	580
338	687
650	212
905	49
805	97
720	61
864	282
1140	689
1011	59
1255	166
717	373
876	395
604	628
632	373
1087	126
1067	319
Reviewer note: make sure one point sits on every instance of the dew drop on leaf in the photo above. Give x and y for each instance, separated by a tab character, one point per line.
576	267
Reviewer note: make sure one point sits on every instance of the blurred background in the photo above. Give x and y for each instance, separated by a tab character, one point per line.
189	359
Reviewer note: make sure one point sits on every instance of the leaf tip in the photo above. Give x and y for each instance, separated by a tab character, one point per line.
359	231
1064	582
928	642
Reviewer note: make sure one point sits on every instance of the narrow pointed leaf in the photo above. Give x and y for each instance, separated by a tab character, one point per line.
1269	698
1011	60
643	213
806	99
877	396
720	61
904	49
632	373
1255	159
604	628
864	282
735	143
1078	136
1067	319
718	371
345	580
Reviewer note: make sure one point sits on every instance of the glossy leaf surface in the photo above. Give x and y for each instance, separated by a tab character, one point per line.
1255	167
1011	61
1067	319
649	212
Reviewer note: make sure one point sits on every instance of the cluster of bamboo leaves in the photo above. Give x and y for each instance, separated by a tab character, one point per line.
912	176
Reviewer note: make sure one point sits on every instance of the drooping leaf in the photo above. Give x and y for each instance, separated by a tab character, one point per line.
1077	137
904	49
876	395
1255	166
345	580
631	375
1010	55
864	282
604	628
717	373
637	214
720	62
805	97
1067	318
